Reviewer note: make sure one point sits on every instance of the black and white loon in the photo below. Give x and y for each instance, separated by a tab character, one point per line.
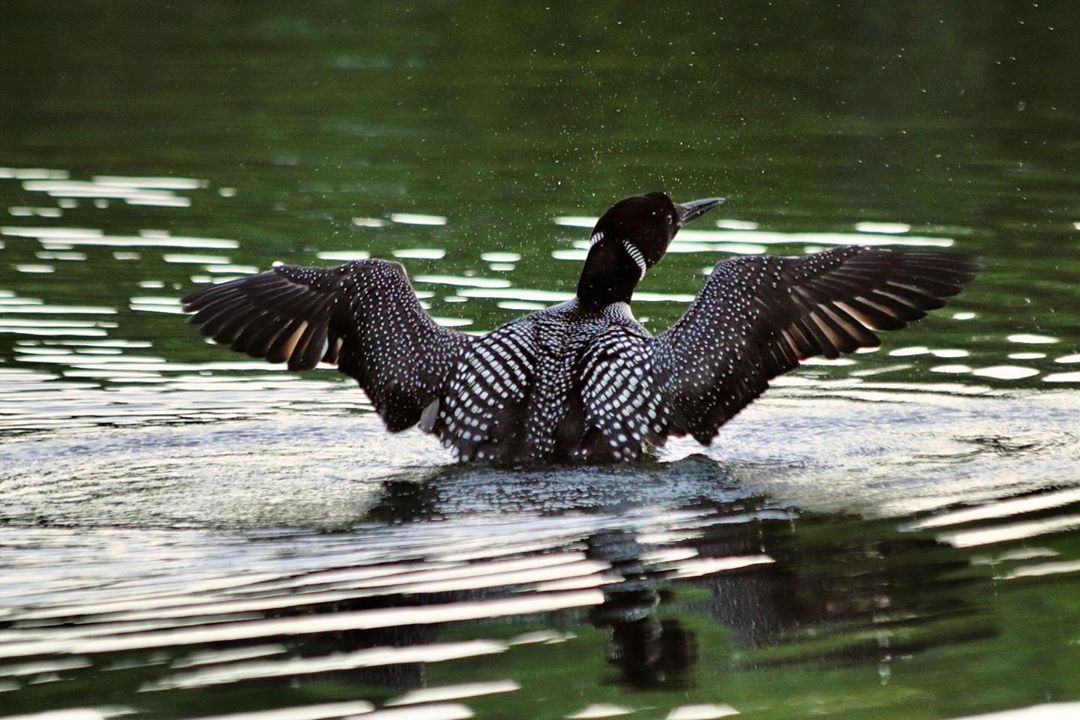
583	380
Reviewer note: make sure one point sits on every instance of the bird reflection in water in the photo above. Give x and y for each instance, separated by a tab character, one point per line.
649	652
687	575
879	580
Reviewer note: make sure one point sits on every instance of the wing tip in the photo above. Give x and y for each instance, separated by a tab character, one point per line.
192	301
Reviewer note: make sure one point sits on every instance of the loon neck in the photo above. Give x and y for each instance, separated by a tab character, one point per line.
609	276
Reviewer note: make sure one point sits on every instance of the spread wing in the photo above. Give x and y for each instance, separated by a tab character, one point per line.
362	316
758	317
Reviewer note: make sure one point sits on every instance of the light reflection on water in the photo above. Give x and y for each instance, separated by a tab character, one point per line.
431	573
305	549
188	533
299	553
501	293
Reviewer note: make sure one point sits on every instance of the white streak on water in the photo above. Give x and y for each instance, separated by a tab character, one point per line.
65	238
7	173
195	259
156	183
952	369
707	566
340	622
444	711
600	710
420	254
730	224
480	282
766	237
306	712
999	509
343	255
1049	711
470	577
1005	372
1029	339
701	712
369	657
103	713
56	309
884	228
1010	532
1069	377
417	219
500	257
455	692
1042	569
452	322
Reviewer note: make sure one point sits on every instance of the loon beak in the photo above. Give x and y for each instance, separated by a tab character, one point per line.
696	208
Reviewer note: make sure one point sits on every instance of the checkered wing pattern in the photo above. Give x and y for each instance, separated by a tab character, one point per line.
758	317
486	398
363	316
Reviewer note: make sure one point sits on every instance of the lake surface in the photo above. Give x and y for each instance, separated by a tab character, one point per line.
187	533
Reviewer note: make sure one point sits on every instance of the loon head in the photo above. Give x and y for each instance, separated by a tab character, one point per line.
630	238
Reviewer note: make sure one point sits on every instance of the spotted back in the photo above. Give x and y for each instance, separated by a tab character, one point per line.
562	383
622	405
485	398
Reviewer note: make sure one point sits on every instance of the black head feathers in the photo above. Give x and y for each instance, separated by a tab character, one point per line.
629	238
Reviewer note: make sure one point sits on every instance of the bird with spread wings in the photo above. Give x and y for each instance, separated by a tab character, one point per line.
755	318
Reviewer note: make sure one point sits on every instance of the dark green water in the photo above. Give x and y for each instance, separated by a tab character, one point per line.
186	533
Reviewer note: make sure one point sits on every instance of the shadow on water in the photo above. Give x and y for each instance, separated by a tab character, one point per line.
549	593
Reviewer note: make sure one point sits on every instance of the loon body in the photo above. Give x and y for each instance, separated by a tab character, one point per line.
583	380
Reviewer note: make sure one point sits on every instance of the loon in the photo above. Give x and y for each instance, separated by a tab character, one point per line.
582	381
